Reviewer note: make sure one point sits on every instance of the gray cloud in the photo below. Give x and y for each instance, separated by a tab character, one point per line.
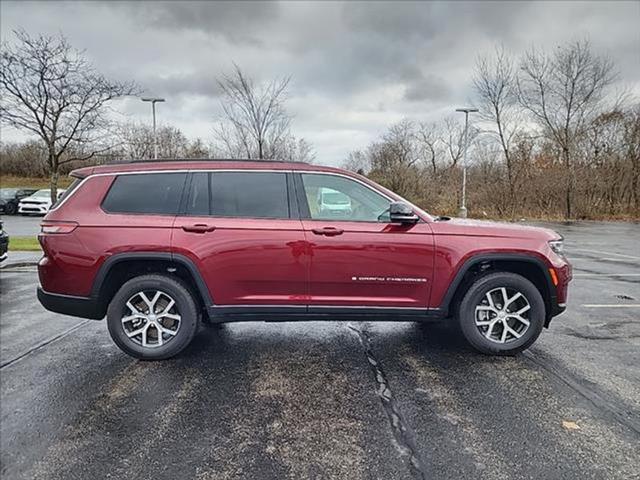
173	85
356	67
238	21
427	88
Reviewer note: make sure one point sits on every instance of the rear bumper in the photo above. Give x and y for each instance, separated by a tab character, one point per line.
84	307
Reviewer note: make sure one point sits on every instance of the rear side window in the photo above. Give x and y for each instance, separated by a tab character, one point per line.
158	193
249	195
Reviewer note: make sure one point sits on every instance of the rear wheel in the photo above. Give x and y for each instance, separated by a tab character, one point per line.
152	317
10	209
502	314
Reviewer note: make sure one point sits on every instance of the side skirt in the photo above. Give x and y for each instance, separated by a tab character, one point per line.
267	313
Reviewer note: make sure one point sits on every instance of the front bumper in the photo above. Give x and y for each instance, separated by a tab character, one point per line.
559	293
84	307
33	208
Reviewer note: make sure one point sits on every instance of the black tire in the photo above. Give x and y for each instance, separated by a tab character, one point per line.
185	305
475	296
10	209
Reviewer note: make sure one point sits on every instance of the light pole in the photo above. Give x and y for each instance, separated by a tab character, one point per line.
463	206
153	101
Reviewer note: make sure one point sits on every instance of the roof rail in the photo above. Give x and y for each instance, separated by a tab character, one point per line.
160	160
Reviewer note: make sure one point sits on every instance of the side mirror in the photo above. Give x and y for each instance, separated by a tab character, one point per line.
400	212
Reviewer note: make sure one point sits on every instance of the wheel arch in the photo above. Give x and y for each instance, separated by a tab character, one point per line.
530	267
121	267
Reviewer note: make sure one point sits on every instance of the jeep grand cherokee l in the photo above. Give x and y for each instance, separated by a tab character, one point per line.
157	246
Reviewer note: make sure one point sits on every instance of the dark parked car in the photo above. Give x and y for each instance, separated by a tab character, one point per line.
10	197
155	246
4	243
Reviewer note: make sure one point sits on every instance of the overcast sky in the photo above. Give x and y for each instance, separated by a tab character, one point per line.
355	67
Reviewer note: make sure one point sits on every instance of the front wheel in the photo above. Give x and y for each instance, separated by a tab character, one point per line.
502	314
152	317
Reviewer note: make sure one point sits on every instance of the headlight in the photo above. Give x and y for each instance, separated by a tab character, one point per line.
557	246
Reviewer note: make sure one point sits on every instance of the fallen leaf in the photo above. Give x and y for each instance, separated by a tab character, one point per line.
570	425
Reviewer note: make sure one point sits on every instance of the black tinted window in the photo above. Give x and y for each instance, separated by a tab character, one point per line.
198	200
145	193
249	194
68	191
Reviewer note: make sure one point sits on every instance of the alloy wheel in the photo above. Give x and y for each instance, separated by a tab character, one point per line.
502	316
151	318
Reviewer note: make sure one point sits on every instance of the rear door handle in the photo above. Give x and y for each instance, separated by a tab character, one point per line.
328	231
198	228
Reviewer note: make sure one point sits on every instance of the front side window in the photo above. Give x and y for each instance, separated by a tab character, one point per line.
156	193
331	197
249	195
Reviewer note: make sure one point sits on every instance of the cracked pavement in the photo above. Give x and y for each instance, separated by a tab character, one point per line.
337	400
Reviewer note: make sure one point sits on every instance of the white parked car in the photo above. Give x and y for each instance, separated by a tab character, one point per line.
38	203
334	203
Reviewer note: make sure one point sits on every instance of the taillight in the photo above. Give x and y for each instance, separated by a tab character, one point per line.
58	227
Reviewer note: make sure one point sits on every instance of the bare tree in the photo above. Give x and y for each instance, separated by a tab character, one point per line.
564	91
50	89
453	139
292	149
394	159
632	141
428	137
197	149
357	161
136	141
255	119
495	85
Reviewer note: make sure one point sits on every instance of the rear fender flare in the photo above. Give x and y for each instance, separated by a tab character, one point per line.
108	264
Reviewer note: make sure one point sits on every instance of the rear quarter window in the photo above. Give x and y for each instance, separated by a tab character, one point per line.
155	193
74	185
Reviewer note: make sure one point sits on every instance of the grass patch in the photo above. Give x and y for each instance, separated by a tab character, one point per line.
24	244
12	181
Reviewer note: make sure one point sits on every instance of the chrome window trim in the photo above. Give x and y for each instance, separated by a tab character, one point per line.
207	170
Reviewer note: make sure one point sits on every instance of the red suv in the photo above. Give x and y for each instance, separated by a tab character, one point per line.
156	246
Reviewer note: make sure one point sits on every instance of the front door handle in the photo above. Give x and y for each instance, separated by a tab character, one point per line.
328	231
198	228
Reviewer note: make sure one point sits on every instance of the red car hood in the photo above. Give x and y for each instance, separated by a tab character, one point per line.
483	228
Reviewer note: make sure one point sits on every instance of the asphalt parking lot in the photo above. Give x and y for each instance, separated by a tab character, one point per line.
333	400
22	225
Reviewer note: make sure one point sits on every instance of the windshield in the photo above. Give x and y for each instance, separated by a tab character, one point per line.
42	194
8	193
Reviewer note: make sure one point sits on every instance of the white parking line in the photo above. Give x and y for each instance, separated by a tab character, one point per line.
606	253
606	274
615	305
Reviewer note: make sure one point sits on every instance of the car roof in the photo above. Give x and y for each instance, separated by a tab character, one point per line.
208	164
